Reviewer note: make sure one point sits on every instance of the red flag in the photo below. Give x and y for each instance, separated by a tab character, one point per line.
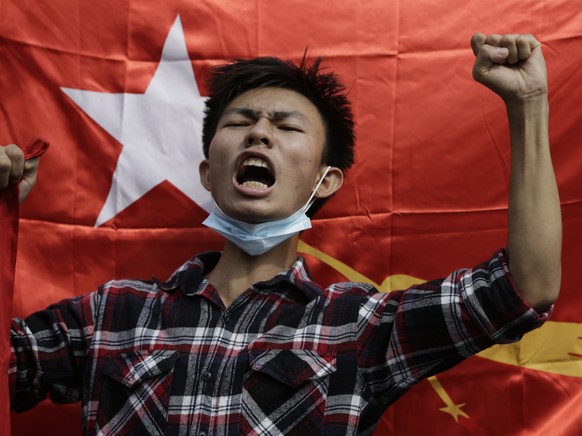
427	195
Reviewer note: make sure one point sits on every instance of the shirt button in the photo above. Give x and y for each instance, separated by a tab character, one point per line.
206	376
226	317
202	433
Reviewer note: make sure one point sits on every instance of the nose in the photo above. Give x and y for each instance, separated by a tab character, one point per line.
260	134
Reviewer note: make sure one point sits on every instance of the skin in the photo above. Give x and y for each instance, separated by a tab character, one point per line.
281	126
14	169
253	125
512	66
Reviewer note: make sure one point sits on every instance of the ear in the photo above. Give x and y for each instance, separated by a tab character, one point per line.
204	170
331	183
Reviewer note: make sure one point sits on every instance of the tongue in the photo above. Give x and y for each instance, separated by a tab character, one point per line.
255	177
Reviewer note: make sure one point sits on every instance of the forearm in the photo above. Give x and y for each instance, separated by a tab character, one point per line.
49	350
535	228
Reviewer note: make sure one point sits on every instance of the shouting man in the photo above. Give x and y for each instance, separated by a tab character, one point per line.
244	341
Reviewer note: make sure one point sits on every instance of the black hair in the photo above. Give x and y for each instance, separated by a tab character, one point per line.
323	89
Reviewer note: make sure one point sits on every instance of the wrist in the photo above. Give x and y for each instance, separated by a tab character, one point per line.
531	104
528	125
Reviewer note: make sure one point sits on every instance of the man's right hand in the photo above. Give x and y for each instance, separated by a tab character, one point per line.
14	169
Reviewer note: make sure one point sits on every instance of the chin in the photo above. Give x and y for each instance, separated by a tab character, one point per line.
255	217
248	215
256	212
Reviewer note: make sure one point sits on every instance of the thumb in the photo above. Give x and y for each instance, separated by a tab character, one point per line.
486	58
29	177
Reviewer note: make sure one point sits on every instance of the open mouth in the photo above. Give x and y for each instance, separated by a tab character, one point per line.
255	173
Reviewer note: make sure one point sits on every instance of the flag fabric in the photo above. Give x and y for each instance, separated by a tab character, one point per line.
118	89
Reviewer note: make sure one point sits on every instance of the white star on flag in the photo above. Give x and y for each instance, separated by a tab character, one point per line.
160	130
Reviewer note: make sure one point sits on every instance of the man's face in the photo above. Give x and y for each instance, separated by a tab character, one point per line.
265	157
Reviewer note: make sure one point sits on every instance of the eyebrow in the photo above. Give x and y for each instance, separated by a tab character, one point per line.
273	116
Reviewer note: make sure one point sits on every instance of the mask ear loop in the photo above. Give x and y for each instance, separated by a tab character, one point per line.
312	198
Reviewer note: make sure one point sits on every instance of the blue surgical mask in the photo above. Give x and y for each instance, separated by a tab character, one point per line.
256	239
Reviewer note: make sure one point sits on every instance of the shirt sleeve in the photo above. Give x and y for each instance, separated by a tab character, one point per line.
48	352
406	336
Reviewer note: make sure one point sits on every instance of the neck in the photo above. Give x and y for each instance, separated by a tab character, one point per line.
236	270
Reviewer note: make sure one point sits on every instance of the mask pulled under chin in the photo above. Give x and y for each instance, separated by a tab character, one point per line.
256	239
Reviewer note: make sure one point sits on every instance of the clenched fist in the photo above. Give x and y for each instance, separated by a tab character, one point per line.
15	169
513	66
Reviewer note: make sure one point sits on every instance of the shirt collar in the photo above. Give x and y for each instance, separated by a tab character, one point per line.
298	276
189	277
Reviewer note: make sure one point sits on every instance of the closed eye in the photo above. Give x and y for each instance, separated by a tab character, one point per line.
289	128
237	124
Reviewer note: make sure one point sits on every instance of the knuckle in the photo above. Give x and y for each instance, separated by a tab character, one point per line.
14	153
477	41
11	148
507	40
477	37
493	39
5	163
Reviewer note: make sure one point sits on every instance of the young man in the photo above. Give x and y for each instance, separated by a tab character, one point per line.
243	341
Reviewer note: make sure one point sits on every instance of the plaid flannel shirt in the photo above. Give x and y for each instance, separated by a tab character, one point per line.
285	357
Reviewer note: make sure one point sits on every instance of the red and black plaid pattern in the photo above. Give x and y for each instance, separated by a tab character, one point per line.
285	357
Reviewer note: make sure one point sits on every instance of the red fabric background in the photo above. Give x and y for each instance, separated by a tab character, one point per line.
428	193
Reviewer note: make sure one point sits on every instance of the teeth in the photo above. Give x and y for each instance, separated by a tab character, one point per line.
255	185
255	162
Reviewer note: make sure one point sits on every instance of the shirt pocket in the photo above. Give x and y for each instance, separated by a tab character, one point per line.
285	391
135	392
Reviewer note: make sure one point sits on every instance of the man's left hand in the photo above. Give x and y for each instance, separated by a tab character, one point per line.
511	65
